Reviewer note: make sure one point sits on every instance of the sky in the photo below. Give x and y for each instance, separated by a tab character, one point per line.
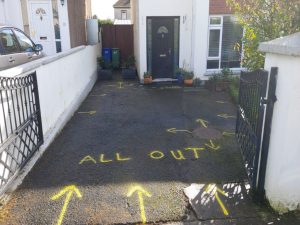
103	8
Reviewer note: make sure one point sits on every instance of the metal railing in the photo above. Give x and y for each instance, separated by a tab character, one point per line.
253	89
21	132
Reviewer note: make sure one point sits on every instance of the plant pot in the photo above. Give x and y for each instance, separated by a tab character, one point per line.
129	73
105	74
188	82
148	80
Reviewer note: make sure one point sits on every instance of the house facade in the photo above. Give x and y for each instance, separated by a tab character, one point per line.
56	24
199	36
122	10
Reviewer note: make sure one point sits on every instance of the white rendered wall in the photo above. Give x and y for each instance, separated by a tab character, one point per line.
283	169
11	13
64	81
193	31
64	25
135	19
200	38
2	12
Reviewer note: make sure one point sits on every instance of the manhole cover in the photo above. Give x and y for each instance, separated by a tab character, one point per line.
207	133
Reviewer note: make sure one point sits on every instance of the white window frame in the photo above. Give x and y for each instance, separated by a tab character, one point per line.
219	27
215	27
124	12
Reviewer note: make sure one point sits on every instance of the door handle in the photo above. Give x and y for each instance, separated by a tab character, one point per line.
162	55
29	56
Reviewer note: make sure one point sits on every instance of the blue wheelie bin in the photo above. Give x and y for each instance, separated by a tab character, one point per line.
106	54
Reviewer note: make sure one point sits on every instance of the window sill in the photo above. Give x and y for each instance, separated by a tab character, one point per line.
235	71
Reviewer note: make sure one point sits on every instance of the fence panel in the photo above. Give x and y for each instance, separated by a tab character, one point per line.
119	36
21	132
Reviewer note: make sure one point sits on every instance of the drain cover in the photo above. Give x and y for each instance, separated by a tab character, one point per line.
207	133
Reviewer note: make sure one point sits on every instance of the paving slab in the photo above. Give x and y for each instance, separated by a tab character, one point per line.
221	201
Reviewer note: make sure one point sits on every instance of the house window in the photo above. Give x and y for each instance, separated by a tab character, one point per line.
225	37
123	15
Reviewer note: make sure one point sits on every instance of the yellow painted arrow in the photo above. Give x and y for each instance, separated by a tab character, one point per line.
90	112
221	102
68	191
212	145
102	95
214	191
203	122
228	134
140	191
174	131
225	116
120	85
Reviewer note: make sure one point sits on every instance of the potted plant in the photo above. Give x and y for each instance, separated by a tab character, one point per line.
188	78
179	75
129	70
197	82
147	78
104	70
210	84
220	82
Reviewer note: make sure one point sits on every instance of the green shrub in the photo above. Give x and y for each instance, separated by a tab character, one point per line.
234	89
188	75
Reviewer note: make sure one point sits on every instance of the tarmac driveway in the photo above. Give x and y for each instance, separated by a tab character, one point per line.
130	154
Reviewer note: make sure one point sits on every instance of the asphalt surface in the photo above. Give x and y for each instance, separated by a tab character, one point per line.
128	169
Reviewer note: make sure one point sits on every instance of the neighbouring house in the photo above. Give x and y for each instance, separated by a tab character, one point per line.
122	11
200	36
56	24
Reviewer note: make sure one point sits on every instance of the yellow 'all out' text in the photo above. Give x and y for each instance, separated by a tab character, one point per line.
153	155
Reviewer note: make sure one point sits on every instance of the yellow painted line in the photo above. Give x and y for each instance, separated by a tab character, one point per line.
225	116
221	102
228	134
102	95
212	145
212	189
174	131
69	191
140	191
90	112
120	85
203	122
195	150
225	211
157	155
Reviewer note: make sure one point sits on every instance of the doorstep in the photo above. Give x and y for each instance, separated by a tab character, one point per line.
159	80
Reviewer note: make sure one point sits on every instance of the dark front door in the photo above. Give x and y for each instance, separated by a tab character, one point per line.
163	41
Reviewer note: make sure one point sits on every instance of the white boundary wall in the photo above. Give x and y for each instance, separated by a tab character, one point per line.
64	81
283	167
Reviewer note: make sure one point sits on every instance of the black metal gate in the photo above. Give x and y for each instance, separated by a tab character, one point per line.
255	111
21	132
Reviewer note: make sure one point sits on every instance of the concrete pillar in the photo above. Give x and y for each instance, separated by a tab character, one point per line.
282	183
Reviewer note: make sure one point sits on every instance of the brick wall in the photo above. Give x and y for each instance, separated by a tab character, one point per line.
218	7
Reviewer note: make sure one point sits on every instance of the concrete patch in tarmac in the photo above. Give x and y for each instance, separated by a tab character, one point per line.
221	201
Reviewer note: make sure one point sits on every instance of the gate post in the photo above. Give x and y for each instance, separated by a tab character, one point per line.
282	181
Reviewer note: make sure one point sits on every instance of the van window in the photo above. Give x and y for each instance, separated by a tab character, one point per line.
9	42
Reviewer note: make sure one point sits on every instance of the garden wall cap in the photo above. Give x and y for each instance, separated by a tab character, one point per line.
289	45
